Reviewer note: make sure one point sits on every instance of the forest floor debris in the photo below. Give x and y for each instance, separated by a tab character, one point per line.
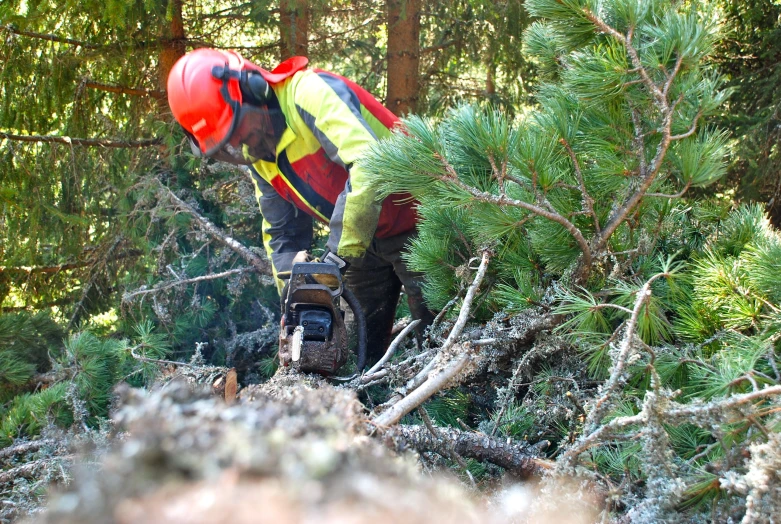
292	450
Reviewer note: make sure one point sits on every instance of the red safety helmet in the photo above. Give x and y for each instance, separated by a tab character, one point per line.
205	93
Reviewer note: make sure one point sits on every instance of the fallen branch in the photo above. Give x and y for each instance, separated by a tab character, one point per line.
698	413
199	367
513	456
161	286
432	385
24	447
391	416
449	446
391	350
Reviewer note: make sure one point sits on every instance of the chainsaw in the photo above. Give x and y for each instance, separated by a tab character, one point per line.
313	335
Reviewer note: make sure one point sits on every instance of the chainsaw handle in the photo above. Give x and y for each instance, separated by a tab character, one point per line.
360	322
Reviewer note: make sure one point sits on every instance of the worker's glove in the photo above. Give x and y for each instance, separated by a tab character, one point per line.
301	256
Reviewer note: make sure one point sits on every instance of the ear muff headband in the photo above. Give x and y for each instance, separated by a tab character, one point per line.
251	83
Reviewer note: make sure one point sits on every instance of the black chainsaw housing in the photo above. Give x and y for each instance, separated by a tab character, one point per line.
312	307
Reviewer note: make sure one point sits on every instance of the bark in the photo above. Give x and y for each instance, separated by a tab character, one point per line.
514	457
294	28
403	56
173	49
490	79
24	447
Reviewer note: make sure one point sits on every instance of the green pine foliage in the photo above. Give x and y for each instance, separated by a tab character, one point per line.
553	196
30	412
752	115
26	343
544	192
80	377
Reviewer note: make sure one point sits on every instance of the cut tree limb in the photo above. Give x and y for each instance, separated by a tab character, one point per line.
512	456
416	384
431	386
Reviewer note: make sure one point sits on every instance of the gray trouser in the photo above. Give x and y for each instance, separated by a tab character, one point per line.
376	281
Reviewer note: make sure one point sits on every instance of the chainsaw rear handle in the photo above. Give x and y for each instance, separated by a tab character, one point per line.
360	321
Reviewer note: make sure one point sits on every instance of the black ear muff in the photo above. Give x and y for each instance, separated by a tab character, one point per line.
255	87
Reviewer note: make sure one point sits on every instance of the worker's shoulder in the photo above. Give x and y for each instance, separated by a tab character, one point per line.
311	82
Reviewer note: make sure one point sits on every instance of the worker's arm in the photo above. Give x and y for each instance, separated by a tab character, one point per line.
333	113
286	230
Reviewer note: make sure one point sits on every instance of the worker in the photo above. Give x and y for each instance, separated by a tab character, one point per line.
301	131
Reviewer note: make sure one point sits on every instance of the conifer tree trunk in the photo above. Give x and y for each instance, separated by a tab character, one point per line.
294	28
173	49
403	55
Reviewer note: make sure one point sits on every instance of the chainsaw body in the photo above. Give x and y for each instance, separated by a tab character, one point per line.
313	331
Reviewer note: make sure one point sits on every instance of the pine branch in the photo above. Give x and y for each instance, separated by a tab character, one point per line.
162	286
503	200
667	111
102	261
261	265
447	443
514	457
676	195
701	413
609	390
88	142
433	384
51	38
588	202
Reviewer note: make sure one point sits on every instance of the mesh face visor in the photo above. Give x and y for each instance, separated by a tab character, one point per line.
254	136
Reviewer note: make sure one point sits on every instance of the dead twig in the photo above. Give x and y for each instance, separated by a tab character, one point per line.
390	351
261	265
433	384
162	286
